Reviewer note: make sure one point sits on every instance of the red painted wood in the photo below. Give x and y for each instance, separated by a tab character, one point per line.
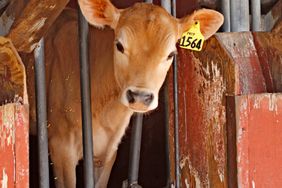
201	93
258	139
7	138
269	49
241	48
21	146
229	64
14	151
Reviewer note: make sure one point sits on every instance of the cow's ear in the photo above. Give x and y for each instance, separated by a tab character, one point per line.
210	22
100	12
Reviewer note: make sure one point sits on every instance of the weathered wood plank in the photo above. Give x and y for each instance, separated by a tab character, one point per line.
202	77
3	3
272	17
229	64
21	145
11	13
249	75
258	128
277	29
7	150
14	151
269	50
34	22
12	74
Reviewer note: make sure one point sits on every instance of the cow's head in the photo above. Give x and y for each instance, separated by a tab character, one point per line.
145	44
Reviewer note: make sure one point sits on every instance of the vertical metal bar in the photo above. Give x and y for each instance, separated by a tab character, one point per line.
166	4
173	8
167	149
240	20
176	126
41	112
225	4
135	147
86	104
170	6
256	15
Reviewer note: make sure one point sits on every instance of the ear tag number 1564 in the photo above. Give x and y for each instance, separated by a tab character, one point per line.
193	38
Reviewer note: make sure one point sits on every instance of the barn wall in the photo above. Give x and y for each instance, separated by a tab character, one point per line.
229	64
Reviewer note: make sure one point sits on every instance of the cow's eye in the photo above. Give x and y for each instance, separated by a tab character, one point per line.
171	55
119	47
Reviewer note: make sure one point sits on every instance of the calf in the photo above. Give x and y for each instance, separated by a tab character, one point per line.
132	61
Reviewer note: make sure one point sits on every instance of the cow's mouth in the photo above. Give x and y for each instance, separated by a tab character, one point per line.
139	107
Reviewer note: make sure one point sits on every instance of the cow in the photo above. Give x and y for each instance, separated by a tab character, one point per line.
134	50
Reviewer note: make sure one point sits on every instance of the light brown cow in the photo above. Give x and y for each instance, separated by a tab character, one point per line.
130	67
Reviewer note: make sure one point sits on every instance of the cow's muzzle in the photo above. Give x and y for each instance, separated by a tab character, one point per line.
139	99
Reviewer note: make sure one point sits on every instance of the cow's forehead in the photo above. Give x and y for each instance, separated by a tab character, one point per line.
146	22
146	17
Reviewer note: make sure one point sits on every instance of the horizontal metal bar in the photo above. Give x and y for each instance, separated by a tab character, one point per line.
41	112
86	104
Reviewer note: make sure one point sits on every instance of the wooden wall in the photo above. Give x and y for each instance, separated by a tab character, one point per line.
230	64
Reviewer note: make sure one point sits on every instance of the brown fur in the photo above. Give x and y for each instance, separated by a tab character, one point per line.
148	34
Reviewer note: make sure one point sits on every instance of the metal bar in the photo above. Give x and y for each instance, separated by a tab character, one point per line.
166	4
86	104
256	15
41	112
225	4
135	147
240	20
167	149
170	6
173	8
176	125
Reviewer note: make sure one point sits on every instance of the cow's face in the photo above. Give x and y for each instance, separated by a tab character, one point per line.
144	46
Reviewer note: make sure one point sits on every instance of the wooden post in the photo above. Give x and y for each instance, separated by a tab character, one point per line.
34	22
257	128
14	117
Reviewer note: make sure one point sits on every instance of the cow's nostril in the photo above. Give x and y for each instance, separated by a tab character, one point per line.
148	98
130	96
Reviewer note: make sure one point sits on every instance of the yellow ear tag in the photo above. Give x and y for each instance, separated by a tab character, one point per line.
193	38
